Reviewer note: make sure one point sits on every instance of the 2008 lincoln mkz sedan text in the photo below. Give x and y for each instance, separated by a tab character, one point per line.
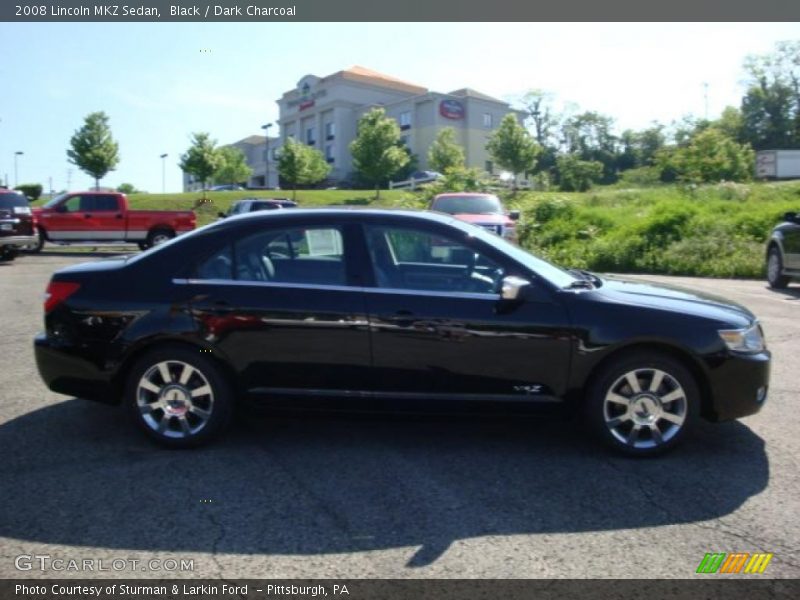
367	306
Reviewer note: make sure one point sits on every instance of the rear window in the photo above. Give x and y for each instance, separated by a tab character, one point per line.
471	205
11	200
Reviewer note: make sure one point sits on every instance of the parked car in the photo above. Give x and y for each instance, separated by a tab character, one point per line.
16	224
227	187
783	252
369	305
103	218
484	210
246	205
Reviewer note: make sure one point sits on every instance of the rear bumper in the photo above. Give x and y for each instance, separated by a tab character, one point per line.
68	369
18	240
739	385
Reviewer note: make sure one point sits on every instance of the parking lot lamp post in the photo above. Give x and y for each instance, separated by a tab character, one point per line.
163	174
266	153
16	154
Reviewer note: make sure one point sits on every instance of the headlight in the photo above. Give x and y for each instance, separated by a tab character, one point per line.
749	339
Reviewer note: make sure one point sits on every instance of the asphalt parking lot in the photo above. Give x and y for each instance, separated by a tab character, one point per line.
434	497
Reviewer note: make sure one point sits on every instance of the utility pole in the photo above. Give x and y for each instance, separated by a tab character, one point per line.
69	179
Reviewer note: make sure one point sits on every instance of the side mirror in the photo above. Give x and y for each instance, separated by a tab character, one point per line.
790	216
513	215
221	215
514	288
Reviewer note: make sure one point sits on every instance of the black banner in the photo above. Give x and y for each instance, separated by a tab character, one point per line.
407	10
705	587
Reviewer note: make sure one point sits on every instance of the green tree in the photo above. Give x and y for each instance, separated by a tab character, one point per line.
126	188
589	136
232	166
639	148
576	175
544	122
445	153
93	149
299	164
32	191
201	160
377	154
711	156
771	104
512	147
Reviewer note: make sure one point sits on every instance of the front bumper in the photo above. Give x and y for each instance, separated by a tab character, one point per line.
739	384
18	240
70	369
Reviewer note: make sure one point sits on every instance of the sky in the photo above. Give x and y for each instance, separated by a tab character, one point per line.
159	82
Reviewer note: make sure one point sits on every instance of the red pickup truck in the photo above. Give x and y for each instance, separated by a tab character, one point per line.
104	217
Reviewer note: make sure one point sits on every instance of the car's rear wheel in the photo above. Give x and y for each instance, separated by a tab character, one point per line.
643	404
775	276
178	397
159	236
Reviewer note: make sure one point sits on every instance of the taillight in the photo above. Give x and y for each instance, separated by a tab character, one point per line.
57	292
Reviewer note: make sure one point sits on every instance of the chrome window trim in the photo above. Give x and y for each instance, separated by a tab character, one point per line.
337	288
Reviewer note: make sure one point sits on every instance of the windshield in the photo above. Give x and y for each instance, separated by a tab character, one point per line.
56	200
554	274
12	199
469	205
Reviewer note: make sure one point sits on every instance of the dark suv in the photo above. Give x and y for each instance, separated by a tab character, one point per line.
16	224
783	252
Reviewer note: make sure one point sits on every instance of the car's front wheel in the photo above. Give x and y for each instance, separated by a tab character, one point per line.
178	397
642	404
775	276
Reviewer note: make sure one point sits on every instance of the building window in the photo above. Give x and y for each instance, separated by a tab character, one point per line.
329	153
489	166
330	130
487	120
405	120
310	138
274	153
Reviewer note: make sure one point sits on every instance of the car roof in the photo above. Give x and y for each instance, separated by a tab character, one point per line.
353	211
462	194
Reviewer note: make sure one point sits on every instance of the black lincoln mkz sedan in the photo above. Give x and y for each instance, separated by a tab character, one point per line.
371	306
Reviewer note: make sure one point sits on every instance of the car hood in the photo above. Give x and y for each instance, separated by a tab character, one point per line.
493	219
675	299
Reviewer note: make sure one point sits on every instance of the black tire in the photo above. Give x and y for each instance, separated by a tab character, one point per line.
640	427
159	236
174	400
35	249
774	277
8	253
142	246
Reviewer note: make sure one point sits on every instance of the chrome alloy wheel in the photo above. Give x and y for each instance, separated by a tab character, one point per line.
645	408
160	238
175	399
